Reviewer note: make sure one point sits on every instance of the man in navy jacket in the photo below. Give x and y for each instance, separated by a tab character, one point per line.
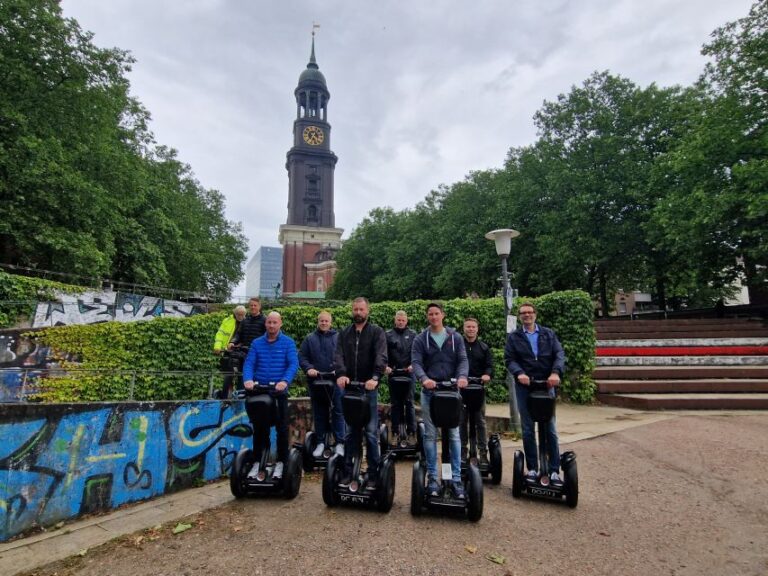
316	355
533	352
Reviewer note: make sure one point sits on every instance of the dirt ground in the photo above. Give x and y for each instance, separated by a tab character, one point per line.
680	497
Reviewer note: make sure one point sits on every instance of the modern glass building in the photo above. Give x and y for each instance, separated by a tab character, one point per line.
264	273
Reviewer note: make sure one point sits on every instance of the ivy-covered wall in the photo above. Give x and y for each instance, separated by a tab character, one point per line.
20	294
168	344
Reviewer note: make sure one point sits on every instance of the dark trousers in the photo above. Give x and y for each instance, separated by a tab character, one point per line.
401	401
261	432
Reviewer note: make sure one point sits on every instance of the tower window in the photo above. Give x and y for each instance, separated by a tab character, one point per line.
312	213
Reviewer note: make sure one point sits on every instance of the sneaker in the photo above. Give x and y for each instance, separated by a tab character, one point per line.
532	475
254	471
433	488
340	449
555	478
277	473
370	482
484	459
319	449
458	490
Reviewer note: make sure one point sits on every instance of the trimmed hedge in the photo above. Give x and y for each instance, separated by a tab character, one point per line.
185	344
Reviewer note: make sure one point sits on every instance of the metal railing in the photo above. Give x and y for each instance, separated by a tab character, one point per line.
38	384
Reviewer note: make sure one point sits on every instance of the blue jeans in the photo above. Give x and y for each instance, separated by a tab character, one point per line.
430	441
322	406
353	443
529	435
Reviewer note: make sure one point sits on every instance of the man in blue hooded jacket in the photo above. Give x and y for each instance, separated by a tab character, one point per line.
438	355
272	360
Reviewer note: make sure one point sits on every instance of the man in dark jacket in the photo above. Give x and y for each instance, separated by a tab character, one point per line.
315	356
361	356
399	342
480	360
438	355
252	327
533	352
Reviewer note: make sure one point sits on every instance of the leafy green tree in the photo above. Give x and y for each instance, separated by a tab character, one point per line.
716	212
83	187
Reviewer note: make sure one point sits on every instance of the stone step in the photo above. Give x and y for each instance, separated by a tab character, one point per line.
714	342
682	361
678	372
655	334
746	401
666	386
686	322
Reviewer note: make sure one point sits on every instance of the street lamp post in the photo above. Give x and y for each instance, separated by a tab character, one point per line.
503	240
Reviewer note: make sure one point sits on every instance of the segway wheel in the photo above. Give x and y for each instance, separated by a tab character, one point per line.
494	457
571	482
240	467
383	439
474	493
292	478
517	474
308	461
386	489
331	479
417	489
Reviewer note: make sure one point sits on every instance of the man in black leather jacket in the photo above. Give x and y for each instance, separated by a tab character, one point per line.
399	342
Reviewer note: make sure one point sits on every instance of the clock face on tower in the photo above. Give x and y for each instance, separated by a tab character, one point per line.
313	135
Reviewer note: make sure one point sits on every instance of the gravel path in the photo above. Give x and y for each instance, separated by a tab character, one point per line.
680	496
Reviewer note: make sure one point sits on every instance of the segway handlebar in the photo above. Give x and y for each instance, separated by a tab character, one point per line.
258	388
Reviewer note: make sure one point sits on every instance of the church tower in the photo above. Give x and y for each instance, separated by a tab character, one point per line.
309	238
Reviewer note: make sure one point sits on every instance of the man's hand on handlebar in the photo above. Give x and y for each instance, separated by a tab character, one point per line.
485	378
462	382
388	370
371	384
553	380
312	373
524	379
342	381
248	384
280	386
429	384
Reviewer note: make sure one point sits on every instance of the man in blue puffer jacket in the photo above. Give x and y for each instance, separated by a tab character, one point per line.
272	360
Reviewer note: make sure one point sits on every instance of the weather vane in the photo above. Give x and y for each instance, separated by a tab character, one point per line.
314	25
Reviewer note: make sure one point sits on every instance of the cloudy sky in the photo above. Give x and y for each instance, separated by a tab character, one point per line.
422	93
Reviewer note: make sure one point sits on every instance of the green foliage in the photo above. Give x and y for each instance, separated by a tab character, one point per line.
20	294
84	187
170	344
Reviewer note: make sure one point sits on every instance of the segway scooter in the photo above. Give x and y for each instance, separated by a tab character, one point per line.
400	383
541	407
234	359
262	409
357	413
325	385
445	409
472	396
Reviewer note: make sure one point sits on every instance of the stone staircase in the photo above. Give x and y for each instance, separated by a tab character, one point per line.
717	363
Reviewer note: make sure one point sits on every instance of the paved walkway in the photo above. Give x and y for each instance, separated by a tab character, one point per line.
574	423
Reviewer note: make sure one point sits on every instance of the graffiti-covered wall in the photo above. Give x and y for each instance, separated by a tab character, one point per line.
64	460
93	307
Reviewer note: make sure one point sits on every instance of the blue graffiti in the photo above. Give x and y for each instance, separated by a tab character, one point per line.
86	460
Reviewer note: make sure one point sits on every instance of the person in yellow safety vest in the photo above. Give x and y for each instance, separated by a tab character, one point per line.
226	330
